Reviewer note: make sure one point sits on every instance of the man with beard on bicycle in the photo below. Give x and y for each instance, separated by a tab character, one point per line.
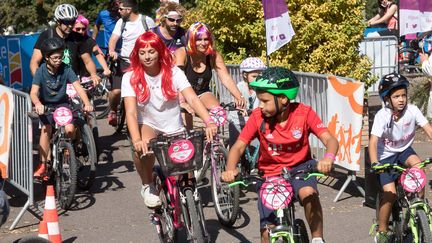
392	135
283	127
49	90
75	44
128	28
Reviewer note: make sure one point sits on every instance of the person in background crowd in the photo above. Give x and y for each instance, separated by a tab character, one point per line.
108	18
158	13
387	17
81	27
75	44
169	29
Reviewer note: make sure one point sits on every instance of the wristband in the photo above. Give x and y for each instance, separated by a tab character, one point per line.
208	121
330	156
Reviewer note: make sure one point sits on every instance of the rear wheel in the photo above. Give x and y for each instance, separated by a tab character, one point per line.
66	175
194	225
225	198
101	103
87	158
300	231
121	117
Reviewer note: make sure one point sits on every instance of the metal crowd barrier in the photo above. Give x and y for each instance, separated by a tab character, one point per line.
20	168
383	52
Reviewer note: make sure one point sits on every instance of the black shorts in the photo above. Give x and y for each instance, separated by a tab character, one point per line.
398	158
267	216
122	66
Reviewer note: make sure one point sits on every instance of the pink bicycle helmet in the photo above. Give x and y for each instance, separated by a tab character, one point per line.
252	64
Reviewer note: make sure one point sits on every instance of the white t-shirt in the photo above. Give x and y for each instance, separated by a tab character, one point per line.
131	32
401	135
157	112
427	66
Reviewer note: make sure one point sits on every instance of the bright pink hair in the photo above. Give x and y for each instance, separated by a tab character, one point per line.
81	19
138	82
196	31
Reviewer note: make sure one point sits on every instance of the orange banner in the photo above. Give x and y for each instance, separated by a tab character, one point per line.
6	113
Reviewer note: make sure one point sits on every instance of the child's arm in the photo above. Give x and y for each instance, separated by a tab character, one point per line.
34	93
373	153
233	158
83	95
325	164
428	129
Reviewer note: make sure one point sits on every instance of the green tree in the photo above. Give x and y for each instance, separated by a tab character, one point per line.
328	33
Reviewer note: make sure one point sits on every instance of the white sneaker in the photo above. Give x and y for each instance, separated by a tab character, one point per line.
150	196
317	240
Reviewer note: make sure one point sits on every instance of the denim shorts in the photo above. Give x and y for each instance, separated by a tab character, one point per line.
398	158
267	216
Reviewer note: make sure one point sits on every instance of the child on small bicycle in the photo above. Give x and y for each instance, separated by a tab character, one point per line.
49	90
282	127
391	138
250	68
151	91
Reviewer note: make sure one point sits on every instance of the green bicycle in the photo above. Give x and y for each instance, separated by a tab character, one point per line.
411	214
276	193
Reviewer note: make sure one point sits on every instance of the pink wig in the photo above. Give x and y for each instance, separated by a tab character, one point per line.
196	31
138	82
82	20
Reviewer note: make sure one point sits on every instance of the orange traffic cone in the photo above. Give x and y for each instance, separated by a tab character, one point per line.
51	217
43	230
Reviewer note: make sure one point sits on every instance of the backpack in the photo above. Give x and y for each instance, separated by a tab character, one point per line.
143	22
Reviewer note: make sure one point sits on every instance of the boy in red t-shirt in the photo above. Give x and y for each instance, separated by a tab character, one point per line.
283	129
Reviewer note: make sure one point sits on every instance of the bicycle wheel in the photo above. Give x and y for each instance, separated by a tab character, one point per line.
423	229
225	198
66	175
300	231
87	158
194	222
121	117
167	232
101	104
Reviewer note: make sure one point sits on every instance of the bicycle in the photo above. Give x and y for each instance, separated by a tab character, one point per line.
62	172
85	145
178	155
410	212
276	193
225	198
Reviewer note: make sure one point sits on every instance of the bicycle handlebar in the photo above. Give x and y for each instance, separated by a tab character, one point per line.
380	168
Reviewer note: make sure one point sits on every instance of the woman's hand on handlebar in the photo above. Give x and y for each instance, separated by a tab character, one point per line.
88	108
187	107
240	102
210	131
113	55
106	72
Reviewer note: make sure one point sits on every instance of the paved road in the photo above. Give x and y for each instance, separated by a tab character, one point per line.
113	211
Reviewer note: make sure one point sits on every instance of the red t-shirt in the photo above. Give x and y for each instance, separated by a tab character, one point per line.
285	146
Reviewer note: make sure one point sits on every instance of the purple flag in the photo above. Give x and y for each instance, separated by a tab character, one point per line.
415	16
279	30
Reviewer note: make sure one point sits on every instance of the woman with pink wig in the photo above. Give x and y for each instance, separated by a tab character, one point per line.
151	89
81	27
197	60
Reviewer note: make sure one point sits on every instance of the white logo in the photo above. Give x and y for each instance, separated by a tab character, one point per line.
269	136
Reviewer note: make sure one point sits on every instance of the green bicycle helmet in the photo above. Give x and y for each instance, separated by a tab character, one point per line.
277	81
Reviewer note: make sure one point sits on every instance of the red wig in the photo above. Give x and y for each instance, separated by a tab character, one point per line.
138	82
196	31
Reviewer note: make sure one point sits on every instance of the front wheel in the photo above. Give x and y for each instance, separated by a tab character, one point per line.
65	175
194	222
300	231
225	198
121	117
423	228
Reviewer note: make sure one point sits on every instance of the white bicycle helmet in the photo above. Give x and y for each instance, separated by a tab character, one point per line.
252	64
65	12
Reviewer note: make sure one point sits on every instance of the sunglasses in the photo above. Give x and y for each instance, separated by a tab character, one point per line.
68	22
178	21
124	8
80	29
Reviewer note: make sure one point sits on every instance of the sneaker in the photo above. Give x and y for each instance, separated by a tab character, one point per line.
382	237
150	196
112	118
40	170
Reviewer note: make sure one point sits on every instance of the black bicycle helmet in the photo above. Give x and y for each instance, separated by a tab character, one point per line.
391	81
277	81
52	45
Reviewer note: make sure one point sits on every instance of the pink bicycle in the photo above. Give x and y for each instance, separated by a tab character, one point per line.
178	155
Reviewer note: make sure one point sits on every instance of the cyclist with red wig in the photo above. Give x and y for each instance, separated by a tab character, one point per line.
151	89
197	60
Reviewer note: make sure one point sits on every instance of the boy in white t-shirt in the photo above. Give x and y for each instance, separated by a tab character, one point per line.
391	138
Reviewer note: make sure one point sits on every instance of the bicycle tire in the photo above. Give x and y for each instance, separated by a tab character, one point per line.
422	222
121	117
395	221
225	198
66	175
101	105
167	233
87	160
300	231
194	228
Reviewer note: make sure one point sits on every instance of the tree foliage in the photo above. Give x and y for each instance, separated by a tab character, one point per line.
328	33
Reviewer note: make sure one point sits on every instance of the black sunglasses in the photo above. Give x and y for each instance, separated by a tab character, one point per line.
80	29
68	22
178	21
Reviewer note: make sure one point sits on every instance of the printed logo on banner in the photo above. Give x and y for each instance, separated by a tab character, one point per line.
15	63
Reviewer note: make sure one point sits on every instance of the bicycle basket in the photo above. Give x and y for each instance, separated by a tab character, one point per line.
276	193
179	153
